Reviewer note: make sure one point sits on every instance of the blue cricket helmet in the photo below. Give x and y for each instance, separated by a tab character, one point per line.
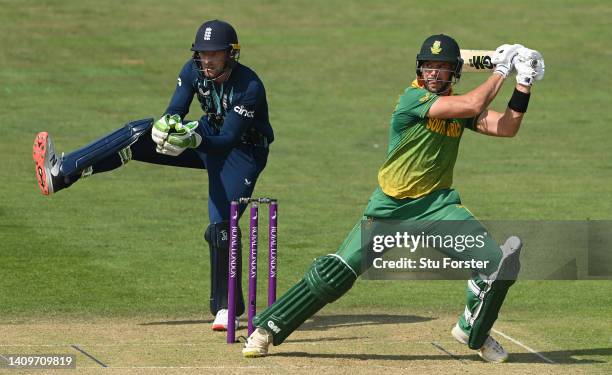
217	35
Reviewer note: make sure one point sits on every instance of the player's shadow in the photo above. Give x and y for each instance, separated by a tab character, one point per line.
320	339
325	322
177	322
558	356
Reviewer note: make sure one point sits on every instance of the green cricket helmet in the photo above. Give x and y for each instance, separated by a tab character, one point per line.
440	47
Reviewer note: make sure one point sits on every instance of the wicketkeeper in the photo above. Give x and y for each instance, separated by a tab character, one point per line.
415	184
230	141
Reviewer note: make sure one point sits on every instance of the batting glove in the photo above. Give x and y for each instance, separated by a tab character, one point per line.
503	58
529	66
183	137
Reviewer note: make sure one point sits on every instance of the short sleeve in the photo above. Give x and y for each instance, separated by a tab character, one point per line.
413	105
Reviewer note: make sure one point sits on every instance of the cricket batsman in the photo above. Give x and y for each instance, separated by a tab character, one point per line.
415	183
230	141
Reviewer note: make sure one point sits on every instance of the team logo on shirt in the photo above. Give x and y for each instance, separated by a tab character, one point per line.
244	112
435	48
425	98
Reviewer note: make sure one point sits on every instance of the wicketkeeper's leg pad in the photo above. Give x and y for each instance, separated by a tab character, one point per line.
486	294
111	144
217	236
327	279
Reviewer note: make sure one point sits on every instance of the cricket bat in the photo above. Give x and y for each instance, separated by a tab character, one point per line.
476	60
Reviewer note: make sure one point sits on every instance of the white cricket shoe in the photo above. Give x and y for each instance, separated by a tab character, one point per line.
257	344
220	322
491	350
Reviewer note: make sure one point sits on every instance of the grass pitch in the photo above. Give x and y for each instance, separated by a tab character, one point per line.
107	251
363	341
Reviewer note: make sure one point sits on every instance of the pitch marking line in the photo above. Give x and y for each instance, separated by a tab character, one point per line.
523	346
438	346
89	355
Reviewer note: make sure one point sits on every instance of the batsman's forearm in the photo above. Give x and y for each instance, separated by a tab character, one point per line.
484	94
509	123
492	87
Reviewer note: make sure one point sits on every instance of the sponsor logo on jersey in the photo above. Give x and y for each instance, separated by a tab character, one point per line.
244	112
481	62
449	128
435	48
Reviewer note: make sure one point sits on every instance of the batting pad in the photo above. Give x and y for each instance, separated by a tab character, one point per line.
328	278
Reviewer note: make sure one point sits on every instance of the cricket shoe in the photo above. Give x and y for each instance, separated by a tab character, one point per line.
491	350
47	165
257	344
220	322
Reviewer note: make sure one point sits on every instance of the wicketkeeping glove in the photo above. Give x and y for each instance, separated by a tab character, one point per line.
503	58
183	137
162	128
529	66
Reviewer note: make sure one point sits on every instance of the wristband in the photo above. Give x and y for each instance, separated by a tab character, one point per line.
519	101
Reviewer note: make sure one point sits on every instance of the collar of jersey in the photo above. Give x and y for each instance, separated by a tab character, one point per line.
415	84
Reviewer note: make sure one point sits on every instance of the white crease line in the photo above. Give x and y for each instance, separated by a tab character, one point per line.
523	346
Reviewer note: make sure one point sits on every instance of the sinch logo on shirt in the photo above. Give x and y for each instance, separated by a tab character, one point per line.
244	112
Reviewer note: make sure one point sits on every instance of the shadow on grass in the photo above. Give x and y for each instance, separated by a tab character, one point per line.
177	322
559	356
325	322
319	339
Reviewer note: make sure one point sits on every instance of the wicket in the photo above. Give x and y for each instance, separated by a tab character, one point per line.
252	267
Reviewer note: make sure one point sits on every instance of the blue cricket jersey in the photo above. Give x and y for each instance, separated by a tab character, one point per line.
231	109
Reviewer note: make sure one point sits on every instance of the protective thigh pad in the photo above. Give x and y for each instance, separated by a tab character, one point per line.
217	236
108	145
328	278
492	292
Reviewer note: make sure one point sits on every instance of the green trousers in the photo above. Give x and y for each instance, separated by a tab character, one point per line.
441	205
331	276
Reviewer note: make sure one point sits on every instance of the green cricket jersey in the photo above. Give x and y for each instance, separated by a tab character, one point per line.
422	151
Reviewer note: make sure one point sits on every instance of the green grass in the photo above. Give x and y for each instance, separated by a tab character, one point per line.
130	242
